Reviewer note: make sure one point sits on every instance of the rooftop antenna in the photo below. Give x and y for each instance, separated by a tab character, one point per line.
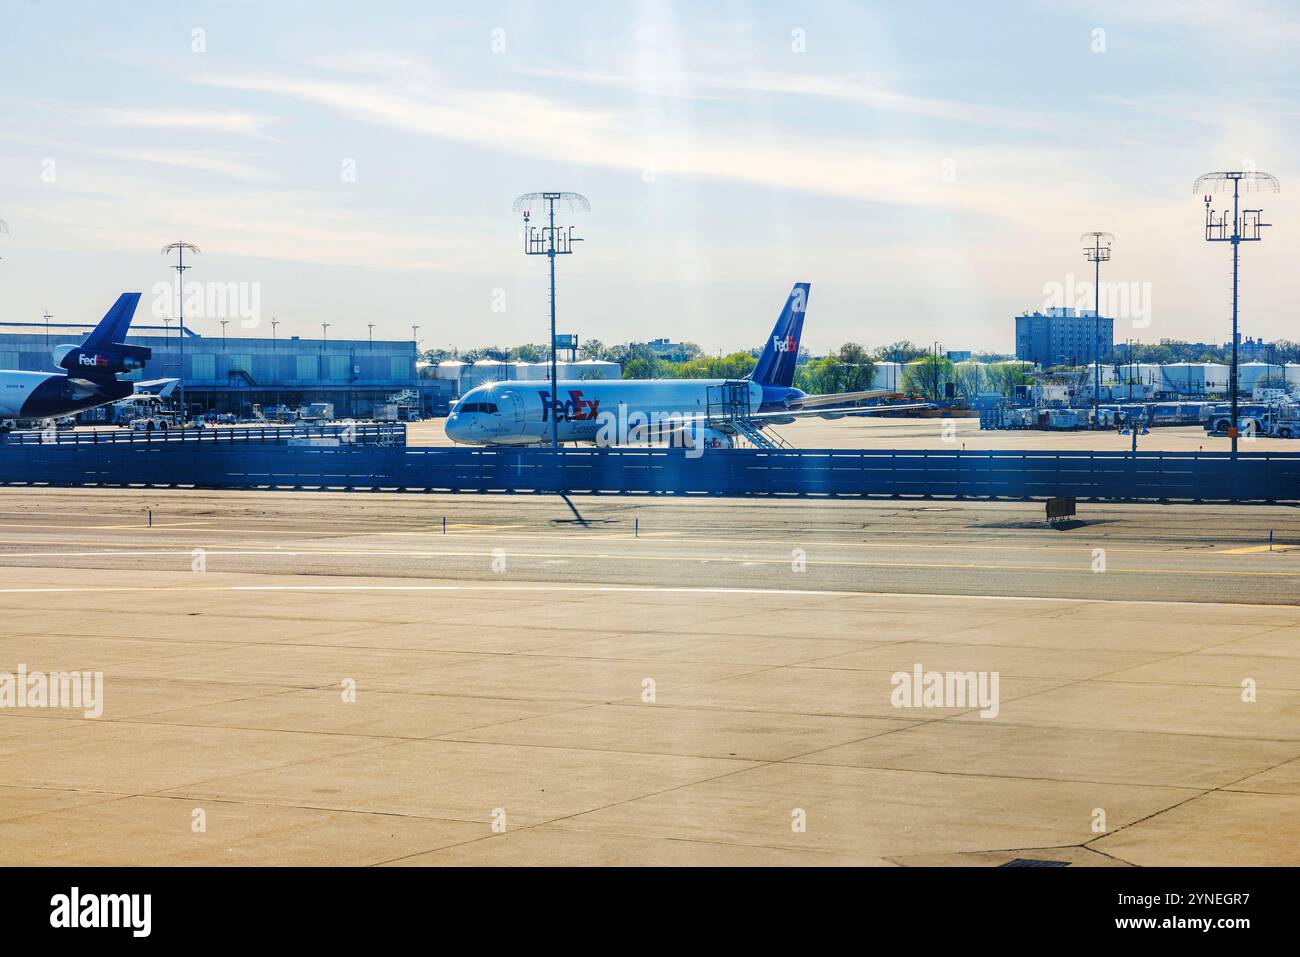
180	267
1097	253
551	241
1245	226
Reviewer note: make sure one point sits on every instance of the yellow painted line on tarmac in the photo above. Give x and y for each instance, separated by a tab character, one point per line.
142	525
1255	549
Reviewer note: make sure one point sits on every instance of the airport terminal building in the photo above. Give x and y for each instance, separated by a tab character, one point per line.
232	374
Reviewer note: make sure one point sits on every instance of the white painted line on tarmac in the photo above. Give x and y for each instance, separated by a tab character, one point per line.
1082	567
632	589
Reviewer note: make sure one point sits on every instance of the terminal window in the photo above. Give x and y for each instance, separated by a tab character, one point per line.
307	367
400	367
203	367
338	367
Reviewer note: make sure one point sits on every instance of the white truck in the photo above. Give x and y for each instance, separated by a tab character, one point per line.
143	412
316	412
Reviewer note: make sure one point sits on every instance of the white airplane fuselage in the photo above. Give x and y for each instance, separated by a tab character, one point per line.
519	412
41	395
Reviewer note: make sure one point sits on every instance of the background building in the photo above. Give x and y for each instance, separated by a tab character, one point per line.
232	374
1063	337
459	377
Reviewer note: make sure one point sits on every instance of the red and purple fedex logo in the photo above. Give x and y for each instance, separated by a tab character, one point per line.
573	409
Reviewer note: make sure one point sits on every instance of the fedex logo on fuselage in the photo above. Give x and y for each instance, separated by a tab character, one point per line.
86	360
784	345
573	409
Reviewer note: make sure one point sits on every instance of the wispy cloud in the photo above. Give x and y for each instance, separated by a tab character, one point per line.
203	161
205	121
866	91
889	171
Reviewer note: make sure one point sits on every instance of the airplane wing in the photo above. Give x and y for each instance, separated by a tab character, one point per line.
159	387
840	398
797	413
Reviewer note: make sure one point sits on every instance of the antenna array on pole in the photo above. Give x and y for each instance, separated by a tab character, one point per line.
1097	252
550	241
1245	225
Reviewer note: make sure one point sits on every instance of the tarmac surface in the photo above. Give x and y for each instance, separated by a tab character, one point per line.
868	432
332	678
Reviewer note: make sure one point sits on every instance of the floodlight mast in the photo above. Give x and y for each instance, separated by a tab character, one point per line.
1097	253
546	241
180	267
1246	225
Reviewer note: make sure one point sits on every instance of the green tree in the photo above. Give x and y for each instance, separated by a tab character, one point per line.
971	379
591	349
927	376
850	368
643	367
530	352
1003	377
902	351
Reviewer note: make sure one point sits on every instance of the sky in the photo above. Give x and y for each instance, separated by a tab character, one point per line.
927	167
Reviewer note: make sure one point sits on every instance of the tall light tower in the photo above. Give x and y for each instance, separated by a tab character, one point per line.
551	241
1097	253
1245	226
180	267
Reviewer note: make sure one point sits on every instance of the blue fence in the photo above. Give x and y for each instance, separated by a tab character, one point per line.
356	433
1118	476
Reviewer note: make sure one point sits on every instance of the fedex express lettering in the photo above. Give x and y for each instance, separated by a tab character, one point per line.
784	345
96	360
573	409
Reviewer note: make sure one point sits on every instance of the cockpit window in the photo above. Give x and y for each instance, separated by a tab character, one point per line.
488	407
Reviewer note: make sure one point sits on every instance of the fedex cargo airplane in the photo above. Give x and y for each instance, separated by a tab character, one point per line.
520	412
90	376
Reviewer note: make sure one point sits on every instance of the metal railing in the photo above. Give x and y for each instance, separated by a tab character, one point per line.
1097	476
357	433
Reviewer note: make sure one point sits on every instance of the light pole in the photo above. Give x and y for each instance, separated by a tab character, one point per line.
546	241
180	267
370	328
47	317
1097	253
1246	225
224	322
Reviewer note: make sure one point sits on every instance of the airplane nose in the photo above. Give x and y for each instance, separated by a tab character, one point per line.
454	428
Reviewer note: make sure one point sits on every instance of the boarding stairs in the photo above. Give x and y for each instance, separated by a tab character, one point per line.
728	410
